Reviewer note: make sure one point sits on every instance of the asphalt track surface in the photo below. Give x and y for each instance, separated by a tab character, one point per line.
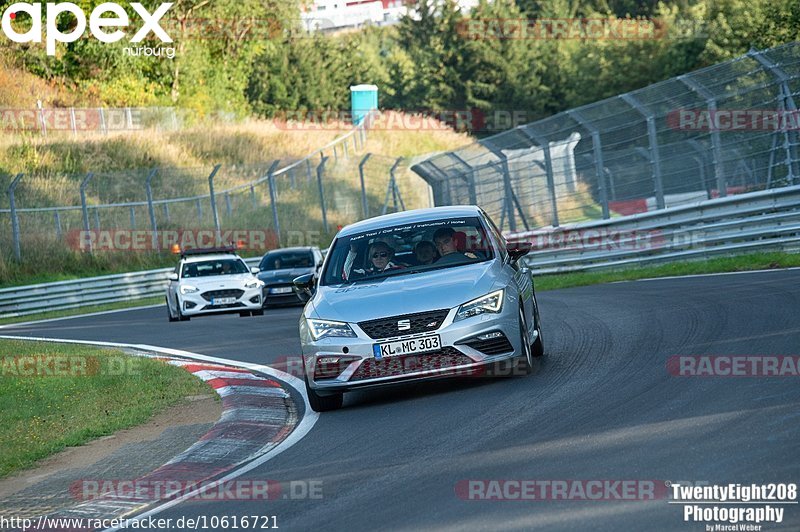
602	405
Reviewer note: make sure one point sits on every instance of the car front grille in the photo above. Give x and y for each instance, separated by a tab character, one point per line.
416	323
222	293
448	357
493	346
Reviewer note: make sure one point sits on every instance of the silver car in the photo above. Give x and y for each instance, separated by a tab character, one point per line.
416	295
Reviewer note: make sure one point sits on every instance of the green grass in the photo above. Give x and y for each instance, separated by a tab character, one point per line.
748	262
83	310
41	415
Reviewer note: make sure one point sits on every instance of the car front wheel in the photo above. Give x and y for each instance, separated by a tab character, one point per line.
323	403
525	359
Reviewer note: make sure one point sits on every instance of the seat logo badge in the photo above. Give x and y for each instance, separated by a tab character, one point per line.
404	325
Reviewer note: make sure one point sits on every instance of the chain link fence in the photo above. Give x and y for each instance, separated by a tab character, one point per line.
281	197
726	129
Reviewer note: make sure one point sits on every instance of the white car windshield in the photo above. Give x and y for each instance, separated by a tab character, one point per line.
407	248
210	268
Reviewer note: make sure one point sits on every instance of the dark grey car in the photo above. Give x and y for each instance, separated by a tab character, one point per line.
280	266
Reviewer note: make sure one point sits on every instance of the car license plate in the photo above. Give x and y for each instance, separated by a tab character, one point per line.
223	300
407	347
281	290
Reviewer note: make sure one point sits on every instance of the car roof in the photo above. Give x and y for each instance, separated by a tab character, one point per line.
211	256
417	215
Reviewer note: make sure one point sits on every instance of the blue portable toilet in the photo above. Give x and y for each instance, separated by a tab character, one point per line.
363	99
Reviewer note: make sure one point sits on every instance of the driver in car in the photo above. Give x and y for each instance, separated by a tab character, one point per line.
444	239
380	255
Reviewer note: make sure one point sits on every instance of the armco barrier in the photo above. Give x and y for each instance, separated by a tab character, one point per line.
756	221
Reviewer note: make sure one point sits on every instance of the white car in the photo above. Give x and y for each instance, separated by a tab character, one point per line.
213	281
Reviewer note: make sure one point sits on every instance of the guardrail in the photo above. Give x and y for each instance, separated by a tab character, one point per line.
757	221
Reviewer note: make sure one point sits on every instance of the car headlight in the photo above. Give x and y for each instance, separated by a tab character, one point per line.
324	329
492	303
254	284
186	289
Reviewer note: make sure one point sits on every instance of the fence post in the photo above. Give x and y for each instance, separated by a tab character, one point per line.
508	204
308	170
396	190
73	122
199	205
786	101
103	124
320	174
84	209
716	143
214	213
57	221
292	178
165	207
228	209
273	199
598	160
344	147
41	117
473	195
14	218
655	156
364	205
150	208
335	154
97	218
542	141
253	196
133	218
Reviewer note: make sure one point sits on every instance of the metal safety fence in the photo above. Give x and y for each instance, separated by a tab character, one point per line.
279	196
724	130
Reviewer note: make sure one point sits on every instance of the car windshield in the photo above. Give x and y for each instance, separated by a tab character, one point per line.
214	267
284	260
408	248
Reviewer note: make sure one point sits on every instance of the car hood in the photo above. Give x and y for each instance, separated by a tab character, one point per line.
406	294
219	282
283	276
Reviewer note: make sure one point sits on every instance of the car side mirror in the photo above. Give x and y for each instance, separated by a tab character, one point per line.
255	270
304	286
172	276
319	264
517	250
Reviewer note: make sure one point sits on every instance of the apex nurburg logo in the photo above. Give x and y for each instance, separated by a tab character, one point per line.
97	22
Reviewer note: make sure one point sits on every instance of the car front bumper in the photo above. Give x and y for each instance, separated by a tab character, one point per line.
360	369
194	304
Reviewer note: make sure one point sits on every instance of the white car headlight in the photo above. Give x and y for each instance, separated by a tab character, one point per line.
326	328
489	303
187	289
255	283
